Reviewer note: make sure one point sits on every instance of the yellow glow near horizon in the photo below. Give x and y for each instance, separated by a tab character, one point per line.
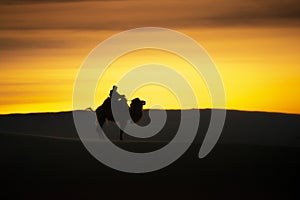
155	94
259	67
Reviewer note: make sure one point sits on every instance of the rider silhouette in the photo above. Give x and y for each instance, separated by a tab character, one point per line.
119	102
113	94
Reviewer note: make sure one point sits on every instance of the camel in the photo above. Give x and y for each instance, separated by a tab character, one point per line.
104	112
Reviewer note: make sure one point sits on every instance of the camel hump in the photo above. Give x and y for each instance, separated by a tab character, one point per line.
105	104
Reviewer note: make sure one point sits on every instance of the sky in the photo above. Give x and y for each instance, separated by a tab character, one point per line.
254	44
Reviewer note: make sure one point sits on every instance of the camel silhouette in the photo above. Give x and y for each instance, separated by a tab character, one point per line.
104	112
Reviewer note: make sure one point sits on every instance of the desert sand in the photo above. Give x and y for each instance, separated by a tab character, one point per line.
257	156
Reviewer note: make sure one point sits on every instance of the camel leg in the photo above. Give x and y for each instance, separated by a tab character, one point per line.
100	118
121	135
122	126
101	122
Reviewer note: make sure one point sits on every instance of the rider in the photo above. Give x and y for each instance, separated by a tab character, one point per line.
118	100
114	95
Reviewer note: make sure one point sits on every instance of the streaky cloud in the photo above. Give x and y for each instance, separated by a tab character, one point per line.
122	15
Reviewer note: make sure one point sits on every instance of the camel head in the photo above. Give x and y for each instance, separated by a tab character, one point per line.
137	103
136	109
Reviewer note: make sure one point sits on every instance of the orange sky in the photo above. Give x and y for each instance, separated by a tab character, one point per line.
255	45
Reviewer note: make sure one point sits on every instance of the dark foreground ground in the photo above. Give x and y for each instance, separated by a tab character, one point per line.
35	166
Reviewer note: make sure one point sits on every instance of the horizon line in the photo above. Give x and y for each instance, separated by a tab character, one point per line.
87	109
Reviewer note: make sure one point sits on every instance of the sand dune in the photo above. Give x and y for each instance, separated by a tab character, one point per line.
257	156
254	128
